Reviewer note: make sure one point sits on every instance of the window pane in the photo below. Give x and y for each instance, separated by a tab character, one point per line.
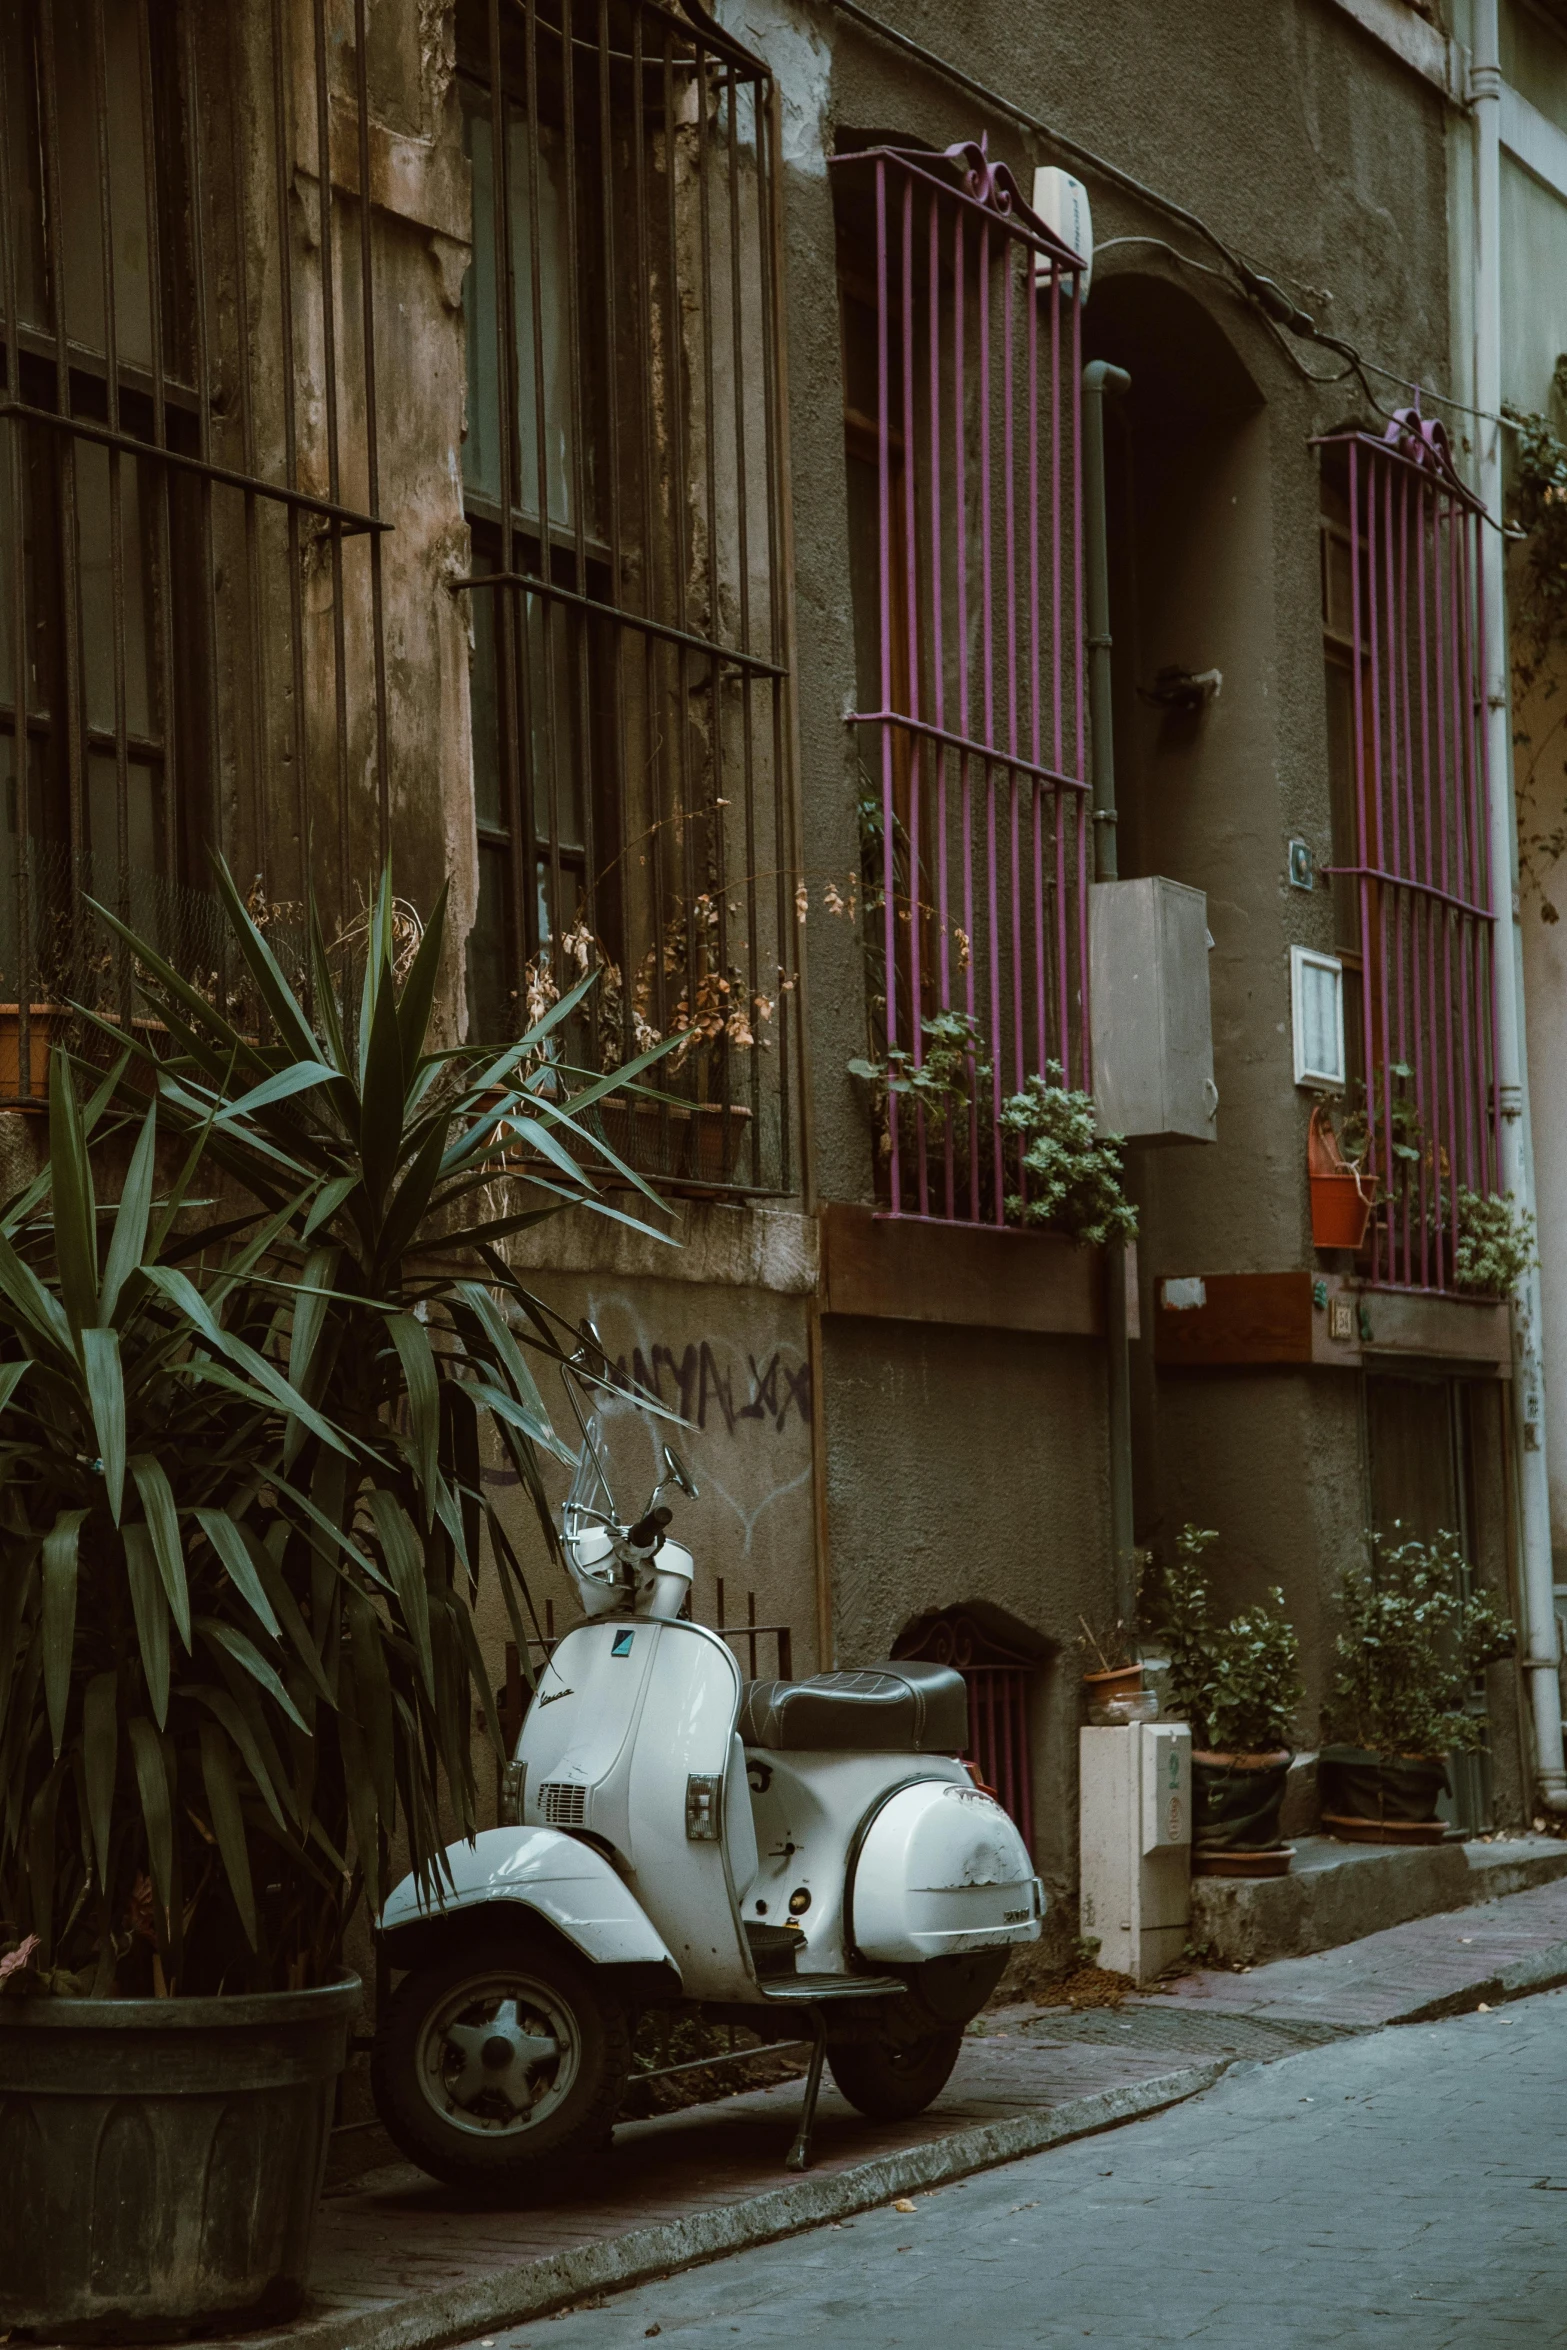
96	558
554	648
19	96
81	188
481	453
490	1002
142	857
540	253
488	606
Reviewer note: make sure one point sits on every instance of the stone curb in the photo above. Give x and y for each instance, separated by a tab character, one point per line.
505	2297
1542	1970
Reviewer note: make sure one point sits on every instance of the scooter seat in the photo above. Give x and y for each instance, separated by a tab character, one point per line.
898	1708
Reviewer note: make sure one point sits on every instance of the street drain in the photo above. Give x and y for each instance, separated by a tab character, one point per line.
1174	2030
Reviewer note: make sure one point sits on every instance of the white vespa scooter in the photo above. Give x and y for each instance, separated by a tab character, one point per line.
804	1858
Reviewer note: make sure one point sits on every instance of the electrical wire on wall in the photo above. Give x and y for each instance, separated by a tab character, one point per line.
1280	312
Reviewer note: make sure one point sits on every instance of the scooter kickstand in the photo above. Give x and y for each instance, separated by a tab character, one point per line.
799	2155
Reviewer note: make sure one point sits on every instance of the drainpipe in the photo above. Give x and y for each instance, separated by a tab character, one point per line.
1540	1662
1100	382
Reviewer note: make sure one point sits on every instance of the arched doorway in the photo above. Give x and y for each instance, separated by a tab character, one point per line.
998	1658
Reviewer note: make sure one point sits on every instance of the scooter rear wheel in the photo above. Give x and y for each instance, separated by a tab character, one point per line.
892	2078
500	2067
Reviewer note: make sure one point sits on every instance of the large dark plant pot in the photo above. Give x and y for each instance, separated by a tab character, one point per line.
163	2158
1236	1803
1380	1798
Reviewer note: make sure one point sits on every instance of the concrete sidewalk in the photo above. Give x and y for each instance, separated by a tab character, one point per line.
401	2265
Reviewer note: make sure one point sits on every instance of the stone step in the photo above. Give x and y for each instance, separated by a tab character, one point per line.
1337	1893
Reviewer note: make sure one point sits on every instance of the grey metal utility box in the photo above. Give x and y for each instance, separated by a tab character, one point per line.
1152	1029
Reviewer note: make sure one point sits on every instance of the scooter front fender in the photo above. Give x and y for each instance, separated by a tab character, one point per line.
562	1880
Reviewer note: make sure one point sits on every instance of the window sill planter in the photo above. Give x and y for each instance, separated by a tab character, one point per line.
1340	1203
42	1021
163	2157
1370	1798
1237	1800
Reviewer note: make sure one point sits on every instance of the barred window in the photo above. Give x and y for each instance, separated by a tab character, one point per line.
621	473
961	344
1403	548
188	480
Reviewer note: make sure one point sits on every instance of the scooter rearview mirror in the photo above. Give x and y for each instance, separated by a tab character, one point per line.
679	1473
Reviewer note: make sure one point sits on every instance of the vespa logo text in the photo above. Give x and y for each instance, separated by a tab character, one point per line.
556	1694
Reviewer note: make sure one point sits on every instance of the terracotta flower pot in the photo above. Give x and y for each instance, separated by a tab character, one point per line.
42	1022
1340	1211
1341	1201
1125	1681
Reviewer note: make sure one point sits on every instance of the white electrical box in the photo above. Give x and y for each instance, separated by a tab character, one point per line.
1151	1021
1134	1856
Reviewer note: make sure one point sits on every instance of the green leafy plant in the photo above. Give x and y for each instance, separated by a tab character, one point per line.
1360	1137
242	1511
942	1085
1074	1173
1238	1684
1414	1634
1496	1241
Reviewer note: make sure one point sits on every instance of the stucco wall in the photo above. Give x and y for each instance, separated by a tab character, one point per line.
972	1465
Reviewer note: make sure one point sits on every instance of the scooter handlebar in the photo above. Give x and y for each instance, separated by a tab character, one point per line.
648	1532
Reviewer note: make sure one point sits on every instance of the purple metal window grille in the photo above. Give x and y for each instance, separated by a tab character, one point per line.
190	538
623	481
973	733
1409	617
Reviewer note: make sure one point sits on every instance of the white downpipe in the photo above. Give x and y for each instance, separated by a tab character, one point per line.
1528	1385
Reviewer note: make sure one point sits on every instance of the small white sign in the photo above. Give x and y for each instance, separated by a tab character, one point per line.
1317	1019
1061	202
1179	1297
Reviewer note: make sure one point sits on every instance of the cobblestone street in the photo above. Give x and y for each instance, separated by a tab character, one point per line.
1397	2189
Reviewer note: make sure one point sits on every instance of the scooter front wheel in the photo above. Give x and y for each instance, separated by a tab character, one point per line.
892	2078
500	2067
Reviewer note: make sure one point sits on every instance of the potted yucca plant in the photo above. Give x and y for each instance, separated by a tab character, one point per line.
242	1525
1238	1685
1414	1636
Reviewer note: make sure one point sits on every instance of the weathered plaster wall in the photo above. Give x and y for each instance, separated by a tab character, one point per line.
1305	143
964	1465
733	1363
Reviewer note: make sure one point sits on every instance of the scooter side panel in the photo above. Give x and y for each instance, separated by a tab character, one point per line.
943	1871
807	1808
562	1879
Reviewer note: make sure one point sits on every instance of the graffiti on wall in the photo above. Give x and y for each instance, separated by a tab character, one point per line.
711	1393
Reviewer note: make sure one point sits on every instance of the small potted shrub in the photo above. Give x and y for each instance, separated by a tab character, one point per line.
1238	1685
242	1523
1410	1646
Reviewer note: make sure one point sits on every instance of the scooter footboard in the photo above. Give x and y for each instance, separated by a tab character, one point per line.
941	1872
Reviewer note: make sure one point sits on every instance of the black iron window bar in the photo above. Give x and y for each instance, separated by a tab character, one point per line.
190	536
622	473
